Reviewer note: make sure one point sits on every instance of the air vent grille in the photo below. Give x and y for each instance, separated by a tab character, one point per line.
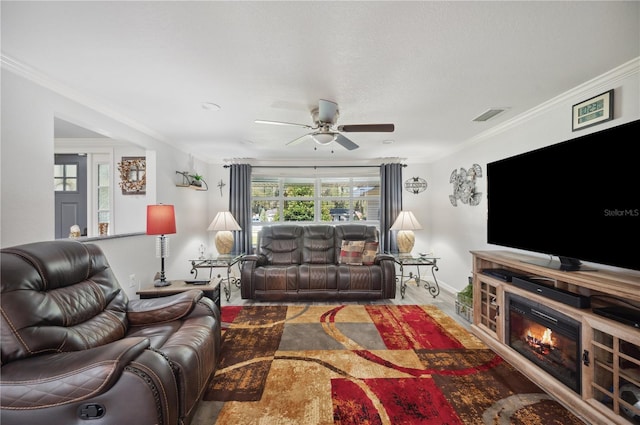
486	116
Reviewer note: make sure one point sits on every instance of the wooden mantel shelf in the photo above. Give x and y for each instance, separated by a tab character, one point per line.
624	284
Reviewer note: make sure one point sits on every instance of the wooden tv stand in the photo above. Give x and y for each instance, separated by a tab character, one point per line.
611	350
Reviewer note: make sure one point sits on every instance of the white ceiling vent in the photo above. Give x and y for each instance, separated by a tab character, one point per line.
486	116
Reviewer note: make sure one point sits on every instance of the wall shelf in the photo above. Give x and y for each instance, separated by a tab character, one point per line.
188	181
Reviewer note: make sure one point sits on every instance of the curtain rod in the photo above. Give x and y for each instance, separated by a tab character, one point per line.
314	166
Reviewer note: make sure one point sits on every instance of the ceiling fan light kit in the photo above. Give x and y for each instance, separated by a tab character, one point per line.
323	131
323	138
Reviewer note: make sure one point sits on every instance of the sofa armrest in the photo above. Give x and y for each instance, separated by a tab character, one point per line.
162	309
383	257
59	378
388	266
205	307
259	259
249	264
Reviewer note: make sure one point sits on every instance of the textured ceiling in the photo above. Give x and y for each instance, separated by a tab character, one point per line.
428	67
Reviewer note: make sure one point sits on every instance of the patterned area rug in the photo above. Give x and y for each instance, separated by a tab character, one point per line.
367	364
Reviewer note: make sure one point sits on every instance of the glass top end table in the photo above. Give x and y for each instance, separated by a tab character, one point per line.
417	261
222	261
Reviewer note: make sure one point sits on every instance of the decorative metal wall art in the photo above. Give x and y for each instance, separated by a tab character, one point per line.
464	186
415	185
133	175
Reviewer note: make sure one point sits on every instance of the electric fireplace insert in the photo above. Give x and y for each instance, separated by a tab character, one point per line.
546	337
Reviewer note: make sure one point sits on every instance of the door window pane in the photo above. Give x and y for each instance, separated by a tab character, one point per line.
65	177
71	170
104	197
103	217
103	175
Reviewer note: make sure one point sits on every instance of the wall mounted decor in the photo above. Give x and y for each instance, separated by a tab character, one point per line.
464	186
133	175
221	184
592	111
193	181
415	185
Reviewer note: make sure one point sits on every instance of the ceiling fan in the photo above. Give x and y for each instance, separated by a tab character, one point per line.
324	131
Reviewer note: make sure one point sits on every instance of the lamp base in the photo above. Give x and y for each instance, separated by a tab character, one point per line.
159	283
406	239
159	279
224	242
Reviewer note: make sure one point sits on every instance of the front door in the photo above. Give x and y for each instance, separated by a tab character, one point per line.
70	180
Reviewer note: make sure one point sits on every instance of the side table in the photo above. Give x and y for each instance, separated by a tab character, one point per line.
417	262
211	289
224	262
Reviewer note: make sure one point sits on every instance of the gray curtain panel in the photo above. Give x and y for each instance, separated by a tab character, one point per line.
390	203
240	205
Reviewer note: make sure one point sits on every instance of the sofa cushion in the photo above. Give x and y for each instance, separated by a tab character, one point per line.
48	310
369	253
354	278
281	244
353	232
276	278
313	277
318	245
351	252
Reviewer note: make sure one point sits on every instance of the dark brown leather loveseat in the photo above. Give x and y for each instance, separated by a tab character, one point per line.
310	262
75	350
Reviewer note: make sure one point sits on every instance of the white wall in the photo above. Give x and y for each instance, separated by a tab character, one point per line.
26	159
451	232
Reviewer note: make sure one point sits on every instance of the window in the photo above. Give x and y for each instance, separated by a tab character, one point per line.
65	177
314	200
300	199
104	195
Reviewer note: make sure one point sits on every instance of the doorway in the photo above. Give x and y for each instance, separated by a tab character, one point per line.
70	182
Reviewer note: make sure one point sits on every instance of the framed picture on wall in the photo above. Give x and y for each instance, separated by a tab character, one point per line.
133	175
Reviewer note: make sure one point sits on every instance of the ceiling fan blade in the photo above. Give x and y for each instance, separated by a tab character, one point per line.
346	143
283	123
298	140
327	111
363	128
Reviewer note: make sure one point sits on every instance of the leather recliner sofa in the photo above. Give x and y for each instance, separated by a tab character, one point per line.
76	350
305	262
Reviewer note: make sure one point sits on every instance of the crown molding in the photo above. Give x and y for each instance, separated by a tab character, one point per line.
600	83
37	77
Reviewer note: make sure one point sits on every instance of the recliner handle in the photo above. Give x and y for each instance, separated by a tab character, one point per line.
91	411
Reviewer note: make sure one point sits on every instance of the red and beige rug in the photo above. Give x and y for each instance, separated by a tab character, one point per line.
367	364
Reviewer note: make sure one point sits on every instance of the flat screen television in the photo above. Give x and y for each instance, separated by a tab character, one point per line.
578	200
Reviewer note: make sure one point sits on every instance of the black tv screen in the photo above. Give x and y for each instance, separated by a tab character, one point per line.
578	200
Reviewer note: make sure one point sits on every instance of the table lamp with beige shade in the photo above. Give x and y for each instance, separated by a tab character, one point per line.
224	223
405	224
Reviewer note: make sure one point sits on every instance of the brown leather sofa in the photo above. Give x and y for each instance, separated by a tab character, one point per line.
306	262
75	350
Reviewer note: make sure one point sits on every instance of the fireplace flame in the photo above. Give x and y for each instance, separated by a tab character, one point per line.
542	344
